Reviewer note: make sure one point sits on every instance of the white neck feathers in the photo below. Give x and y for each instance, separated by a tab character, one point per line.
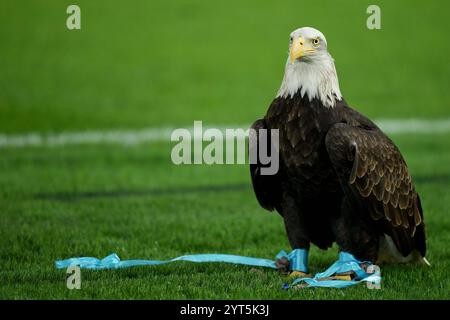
315	77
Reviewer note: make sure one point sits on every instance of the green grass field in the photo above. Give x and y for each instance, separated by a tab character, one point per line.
158	64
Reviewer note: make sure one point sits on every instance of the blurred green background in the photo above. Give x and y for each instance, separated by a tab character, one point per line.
160	63
137	64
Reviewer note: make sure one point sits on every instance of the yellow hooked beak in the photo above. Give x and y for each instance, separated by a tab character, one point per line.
299	48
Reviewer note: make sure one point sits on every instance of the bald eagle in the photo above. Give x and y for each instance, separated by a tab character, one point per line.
340	178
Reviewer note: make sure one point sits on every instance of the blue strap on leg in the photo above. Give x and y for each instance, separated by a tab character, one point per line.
347	262
298	259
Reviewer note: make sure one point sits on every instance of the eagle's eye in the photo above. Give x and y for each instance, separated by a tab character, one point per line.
290	40
316	42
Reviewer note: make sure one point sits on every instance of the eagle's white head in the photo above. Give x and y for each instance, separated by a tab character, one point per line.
310	68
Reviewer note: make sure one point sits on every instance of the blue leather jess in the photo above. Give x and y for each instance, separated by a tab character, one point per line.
298	261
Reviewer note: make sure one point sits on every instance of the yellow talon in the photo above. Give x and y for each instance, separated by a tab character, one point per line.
299	274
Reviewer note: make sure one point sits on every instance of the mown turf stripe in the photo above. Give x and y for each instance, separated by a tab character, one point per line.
173	191
132	137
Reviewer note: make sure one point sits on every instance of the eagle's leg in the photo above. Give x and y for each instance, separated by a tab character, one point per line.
356	239
354	229
355	233
298	238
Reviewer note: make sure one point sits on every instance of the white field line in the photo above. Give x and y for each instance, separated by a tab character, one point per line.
138	136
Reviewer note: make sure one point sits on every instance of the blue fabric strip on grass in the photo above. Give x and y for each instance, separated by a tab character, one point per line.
113	261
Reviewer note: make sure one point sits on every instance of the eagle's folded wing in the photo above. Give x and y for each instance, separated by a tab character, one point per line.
266	187
370	164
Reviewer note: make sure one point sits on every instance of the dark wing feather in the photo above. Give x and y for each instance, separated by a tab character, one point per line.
267	188
375	171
